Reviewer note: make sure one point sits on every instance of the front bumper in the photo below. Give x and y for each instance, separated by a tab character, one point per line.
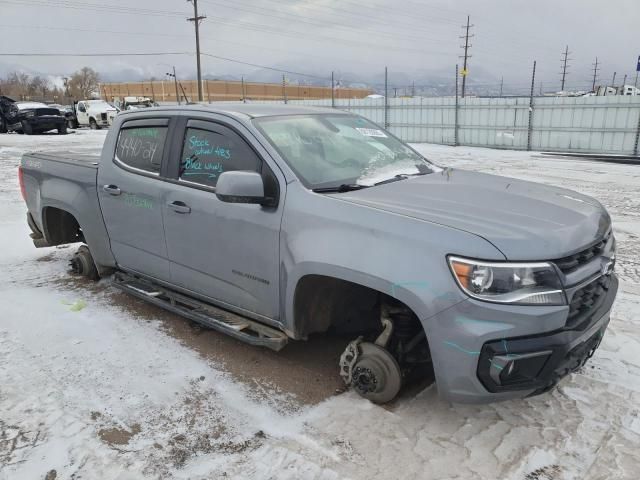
44	123
485	352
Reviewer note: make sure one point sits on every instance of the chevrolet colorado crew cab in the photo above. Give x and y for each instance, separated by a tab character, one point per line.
275	222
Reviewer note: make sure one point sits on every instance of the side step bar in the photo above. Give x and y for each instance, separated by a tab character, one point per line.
236	326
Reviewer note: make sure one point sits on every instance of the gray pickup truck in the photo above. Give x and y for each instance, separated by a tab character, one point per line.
272	223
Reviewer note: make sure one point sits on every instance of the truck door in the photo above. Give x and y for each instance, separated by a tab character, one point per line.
227	252
131	192
82	115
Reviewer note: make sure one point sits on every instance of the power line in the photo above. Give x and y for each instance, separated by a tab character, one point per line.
94	7
290	72
466	47
146	54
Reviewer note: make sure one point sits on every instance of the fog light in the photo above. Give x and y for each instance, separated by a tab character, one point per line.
510	369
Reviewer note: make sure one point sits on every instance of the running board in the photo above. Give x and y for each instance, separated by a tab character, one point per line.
236	326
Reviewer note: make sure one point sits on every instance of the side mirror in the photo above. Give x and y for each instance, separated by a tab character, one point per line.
241	187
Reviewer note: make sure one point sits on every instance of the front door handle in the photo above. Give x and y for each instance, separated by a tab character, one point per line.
112	189
180	207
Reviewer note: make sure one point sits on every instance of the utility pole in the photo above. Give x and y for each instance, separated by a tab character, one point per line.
386	98
284	89
466	55
455	125
624	82
196	19
333	97
595	75
244	100
613	81
395	92
413	89
530	125
501	85
565	60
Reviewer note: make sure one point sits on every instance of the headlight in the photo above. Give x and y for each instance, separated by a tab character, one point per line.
30	114
506	282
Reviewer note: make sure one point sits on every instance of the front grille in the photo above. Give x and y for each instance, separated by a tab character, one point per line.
570	263
587	299
47	111
103	116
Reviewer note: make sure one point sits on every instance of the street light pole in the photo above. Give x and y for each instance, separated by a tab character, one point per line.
175	79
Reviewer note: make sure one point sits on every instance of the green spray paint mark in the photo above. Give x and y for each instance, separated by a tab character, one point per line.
133	200
144	132
75	306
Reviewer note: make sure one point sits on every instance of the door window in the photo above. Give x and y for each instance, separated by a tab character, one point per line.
208	153
142	147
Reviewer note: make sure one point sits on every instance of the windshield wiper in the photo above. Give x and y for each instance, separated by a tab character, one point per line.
345	187
400	176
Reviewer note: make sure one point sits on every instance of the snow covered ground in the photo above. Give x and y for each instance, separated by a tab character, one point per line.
91	389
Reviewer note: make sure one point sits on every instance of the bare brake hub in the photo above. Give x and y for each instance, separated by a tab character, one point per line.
364	380
372	371
348	359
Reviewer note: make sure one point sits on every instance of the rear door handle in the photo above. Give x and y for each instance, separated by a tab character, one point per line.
111	189
180	207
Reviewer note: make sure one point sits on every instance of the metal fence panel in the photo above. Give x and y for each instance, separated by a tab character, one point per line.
562	124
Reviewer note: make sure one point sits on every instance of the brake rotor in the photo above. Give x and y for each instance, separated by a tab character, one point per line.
376	375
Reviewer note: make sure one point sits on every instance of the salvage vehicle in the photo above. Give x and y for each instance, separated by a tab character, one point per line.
274	222
135	103
29	117
94	114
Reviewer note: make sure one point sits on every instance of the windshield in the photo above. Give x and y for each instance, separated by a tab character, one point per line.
99	104
332	150
29	105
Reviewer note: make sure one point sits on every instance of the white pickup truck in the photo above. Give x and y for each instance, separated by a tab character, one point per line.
94	114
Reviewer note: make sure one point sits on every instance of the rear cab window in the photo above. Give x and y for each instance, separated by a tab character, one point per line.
141	145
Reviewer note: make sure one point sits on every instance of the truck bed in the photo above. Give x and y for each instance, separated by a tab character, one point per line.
64	185
89	160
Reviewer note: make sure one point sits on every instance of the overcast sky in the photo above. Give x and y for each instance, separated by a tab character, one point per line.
317	36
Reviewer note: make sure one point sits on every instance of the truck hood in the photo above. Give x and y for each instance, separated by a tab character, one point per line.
524	220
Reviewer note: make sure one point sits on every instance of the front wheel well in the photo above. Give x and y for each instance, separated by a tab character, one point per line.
60	227
322	302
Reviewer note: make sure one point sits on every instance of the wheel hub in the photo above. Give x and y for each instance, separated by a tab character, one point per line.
364	380
375	374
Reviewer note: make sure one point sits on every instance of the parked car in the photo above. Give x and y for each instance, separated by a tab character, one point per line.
275	222
94	114
29	117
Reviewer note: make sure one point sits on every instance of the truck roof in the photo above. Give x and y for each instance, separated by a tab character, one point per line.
252	110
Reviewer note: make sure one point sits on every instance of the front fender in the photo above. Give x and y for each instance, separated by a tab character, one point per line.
400	256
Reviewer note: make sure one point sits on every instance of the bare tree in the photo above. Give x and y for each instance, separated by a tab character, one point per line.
84	83
39	86
17	85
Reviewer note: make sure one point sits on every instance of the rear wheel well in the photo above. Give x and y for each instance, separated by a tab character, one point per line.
60	227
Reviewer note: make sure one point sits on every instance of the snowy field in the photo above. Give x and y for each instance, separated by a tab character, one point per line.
90	388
